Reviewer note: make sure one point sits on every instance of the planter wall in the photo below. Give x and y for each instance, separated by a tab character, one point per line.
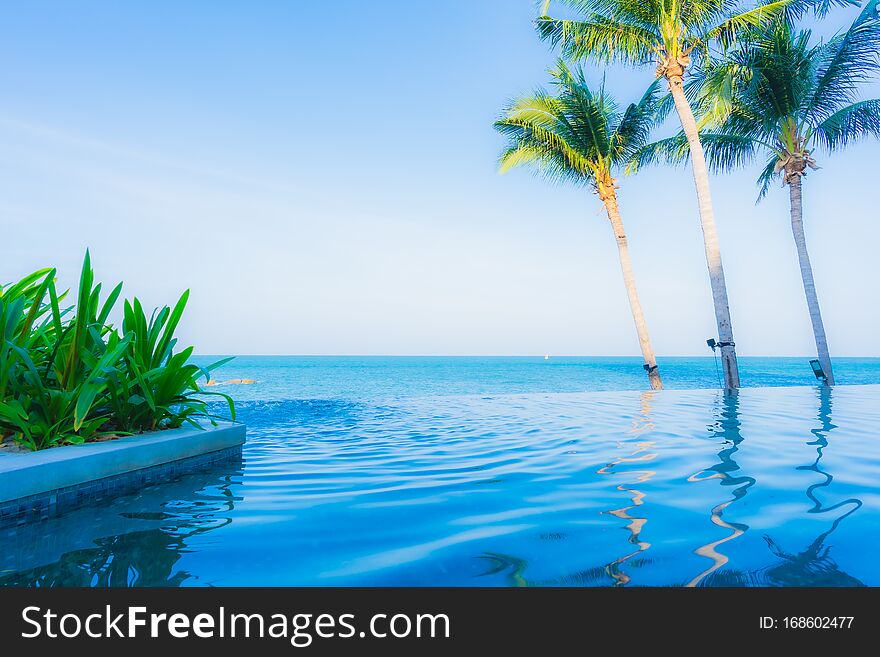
38	485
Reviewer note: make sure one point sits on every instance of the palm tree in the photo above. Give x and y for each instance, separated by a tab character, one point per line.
668	33
580	136
781	96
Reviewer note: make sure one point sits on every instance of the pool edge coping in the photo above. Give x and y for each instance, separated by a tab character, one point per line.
25	475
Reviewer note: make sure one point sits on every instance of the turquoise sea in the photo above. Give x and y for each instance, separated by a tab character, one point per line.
382	377
500	472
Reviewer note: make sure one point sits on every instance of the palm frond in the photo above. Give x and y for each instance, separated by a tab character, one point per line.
643	13
577	133
638	120
845	62
600	37
774	76
545	162
539	109
797	9
530	135
766	178
743	24
702	13
715	89
671	150
723	151
849	124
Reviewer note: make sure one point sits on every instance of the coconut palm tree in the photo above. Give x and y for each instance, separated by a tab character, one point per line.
669	34
579	135
782	96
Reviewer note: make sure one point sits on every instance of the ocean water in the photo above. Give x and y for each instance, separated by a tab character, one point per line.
383	377
508	484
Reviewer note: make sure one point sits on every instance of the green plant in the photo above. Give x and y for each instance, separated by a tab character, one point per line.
58	373
154	387
68	376
20	308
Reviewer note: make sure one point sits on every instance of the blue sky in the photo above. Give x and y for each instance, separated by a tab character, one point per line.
322	176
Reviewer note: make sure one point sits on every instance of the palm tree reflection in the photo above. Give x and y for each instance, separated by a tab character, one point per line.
727	428
813	566
515	567
635	523
821	442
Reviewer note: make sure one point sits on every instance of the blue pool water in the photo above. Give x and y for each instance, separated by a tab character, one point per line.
517	483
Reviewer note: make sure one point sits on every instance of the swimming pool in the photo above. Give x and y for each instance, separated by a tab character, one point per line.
772	486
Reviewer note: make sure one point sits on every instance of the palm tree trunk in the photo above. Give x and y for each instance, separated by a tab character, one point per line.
629	280
800	240
710	234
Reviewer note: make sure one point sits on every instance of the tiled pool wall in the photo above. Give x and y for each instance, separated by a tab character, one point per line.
43	506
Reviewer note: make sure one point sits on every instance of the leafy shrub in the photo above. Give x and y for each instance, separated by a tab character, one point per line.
68	376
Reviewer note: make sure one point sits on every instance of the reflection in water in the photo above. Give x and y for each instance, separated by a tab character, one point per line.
812	566
516	567
139	558
408	492
821	442
499	563
727	427
635	523
149	543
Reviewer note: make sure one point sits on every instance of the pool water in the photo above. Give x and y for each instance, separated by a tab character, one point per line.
768	487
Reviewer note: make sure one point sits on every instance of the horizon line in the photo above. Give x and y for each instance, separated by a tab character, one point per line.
551	356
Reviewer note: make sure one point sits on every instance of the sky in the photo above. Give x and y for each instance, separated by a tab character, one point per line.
323	177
